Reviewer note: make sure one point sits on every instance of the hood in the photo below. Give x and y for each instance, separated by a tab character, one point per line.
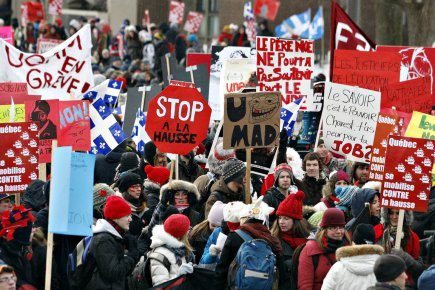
33	197
114	156
358	250
222	187
150	187
176	185
407	221
360	198
103	226
359	259
162	238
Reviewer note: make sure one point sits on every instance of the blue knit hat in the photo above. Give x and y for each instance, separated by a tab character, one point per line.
345	195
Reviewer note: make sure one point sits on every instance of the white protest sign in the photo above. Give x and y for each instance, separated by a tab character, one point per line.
56	74
45	44
350	116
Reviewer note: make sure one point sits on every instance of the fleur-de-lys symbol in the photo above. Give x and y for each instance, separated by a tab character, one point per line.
117	133
102	109
102	145
94	150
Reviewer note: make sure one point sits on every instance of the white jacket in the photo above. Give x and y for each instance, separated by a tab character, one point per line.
160	241
353	269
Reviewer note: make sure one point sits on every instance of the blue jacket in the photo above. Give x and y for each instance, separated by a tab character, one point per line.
208	261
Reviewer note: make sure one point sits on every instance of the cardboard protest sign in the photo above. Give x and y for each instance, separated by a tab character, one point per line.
251	120
286	66
385	127
43	45
408	165
13	88
18	113
56	74
193	22
371	70
74	125
421	126
7	33
196	58
176	12
178	119
350	116
71	193
408	96
218	55
18	156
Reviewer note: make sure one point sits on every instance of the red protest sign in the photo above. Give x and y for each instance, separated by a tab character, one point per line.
75	128
178	119
20	98
402	123
366	69
18	156
176	12
193	22
407	176
196	58
13	88
408	96
266	8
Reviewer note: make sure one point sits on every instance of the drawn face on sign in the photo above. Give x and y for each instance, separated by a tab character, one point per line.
263	108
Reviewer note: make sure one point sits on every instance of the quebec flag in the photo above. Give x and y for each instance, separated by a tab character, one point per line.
316	29
107	90
295	25
139	135
289	114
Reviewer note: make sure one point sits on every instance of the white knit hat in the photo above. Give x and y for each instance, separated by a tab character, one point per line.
257	210
232	211
216	214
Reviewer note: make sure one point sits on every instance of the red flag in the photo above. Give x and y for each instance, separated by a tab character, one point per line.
345	34
266	8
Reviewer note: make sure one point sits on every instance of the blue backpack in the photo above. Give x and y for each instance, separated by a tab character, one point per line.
254	266
81	264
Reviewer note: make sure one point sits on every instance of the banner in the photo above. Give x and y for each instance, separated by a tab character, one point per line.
74	125
72	180
251	120
193	22
421	126
350	116
7	33
176	12
18	113
43	45
18	156
366	69
407	178
267	9
13	88
286	66
57	74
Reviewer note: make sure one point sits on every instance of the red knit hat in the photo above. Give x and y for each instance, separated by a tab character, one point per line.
332	217
157	174
116	208
123	80
292	206
177	225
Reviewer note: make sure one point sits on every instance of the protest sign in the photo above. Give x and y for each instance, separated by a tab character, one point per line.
18	156
402	123
385	127
421	126
43	45
178	119
193	22
74	125
196	58
56	74
408	165
7	33
18	113
315	101
251	120
176	12
307	130
218	55
371	70
71	193
7	99
13	88
286	66
267	9
408	96
350	116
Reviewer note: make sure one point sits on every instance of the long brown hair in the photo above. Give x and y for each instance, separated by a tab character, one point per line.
322	233
201	229
301	228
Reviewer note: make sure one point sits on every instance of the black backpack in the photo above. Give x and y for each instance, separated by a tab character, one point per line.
81	264
140	278
295	266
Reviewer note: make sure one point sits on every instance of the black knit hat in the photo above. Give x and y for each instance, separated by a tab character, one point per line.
128	179
364	234
388	267
233	170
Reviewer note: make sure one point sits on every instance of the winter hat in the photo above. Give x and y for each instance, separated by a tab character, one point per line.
292	206
345	194
216	214
4	196
388	267
98	79
281	168
217	160
258	210
157	174
128	179
232	211
116	208
101	192
177	225
33	196
332	217
130	28
427	279
316	218
341	175
150	152
129	160
233	170
181	185
170	210
16	225
75	24
364	234
192	38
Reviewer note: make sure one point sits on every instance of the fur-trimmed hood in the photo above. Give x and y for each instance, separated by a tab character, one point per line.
176	185
376	185
359	260
407	221
162	238
358	250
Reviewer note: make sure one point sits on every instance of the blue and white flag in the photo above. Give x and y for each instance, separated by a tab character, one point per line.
248	13
138	134
289	114
107	90
106	133
315	31
295	25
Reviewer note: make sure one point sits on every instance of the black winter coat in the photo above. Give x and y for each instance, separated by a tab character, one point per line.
273	198
425	220
105	166
285	267
312	189
39	261
13	256
383	286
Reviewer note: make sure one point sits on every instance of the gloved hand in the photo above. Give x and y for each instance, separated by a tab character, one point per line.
407	258
214	250
166	196
185	269
283	140
130	242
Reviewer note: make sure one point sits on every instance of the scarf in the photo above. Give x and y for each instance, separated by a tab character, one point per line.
293	241
117	228
327	159
137	205
179	254
260	231
332	245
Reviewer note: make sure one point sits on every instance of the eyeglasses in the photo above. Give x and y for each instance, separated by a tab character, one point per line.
136	186
336	228
7	279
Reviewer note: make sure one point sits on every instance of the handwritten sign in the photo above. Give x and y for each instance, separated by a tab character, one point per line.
251	119
421	126
18	156
74	125
13	88
407	178
366	69
18	113
286	66
236	75
350	116
7	99
44	45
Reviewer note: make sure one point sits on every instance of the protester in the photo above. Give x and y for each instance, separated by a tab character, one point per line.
390	273
240	37
330	162
345	195
313	180
105	165
8	278
263	28
425	221
157	176
336	179
101	192
5	203
360	173
188	168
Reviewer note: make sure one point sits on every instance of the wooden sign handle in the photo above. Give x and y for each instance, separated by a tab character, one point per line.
248	177
399	229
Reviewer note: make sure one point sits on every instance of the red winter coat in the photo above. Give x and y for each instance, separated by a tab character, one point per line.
306	279
413	246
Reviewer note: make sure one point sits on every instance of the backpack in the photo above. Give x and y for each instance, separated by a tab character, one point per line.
254	265
140	278
81	264
295	265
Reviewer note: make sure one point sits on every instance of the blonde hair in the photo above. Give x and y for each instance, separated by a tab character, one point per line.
322	233
185	240
200	229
